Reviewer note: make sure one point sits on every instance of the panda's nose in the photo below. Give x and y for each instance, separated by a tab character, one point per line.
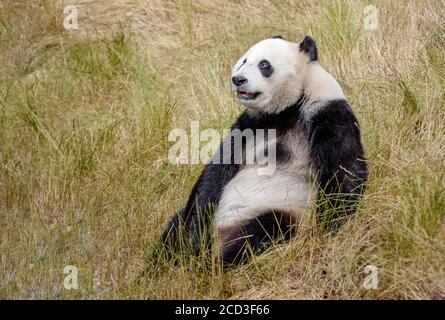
239	80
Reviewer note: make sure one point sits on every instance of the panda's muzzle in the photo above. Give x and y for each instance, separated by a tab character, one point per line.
240	82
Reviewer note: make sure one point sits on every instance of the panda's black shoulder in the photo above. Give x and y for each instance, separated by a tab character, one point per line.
334	127
335	112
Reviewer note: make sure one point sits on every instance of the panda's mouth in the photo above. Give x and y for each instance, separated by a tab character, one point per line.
247	95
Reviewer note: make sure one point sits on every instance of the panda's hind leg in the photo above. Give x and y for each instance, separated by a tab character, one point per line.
237	243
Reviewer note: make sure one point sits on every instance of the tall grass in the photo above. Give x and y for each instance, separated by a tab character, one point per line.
84	122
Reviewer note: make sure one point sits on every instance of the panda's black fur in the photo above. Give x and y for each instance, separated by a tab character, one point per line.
336	155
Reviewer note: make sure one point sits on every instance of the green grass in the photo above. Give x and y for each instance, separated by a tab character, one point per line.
84	123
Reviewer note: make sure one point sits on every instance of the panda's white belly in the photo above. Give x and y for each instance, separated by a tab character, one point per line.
248	195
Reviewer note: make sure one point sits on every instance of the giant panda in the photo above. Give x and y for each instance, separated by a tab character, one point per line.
319	156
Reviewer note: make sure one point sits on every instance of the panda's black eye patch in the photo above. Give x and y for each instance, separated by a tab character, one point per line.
265	68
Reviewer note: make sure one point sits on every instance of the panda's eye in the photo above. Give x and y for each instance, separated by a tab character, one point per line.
264	64
265	68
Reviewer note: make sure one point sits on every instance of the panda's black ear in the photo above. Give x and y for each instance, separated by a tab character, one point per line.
278	36
310	48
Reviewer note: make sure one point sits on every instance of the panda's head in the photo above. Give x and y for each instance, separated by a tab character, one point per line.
270	75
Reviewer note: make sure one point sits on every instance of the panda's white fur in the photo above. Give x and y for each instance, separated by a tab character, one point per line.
248	194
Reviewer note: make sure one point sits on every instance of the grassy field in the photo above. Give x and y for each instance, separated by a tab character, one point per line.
84	121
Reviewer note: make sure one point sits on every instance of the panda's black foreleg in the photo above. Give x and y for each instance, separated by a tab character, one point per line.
338	159
189	230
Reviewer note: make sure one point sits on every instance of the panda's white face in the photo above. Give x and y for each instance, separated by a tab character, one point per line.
270	75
